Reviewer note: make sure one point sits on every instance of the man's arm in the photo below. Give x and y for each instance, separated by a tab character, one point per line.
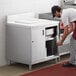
67	30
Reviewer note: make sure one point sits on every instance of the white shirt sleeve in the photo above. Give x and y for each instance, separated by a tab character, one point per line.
65	19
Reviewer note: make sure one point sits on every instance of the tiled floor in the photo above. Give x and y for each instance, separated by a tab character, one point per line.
18	69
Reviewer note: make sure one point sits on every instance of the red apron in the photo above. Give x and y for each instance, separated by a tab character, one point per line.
74	33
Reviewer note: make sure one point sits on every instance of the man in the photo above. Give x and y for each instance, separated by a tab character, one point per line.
68	18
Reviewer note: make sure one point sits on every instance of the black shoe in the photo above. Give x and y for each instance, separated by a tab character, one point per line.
68	65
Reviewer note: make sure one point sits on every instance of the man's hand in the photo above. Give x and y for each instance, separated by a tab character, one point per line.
59	43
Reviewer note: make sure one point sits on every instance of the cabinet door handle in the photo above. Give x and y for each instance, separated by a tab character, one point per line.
42	32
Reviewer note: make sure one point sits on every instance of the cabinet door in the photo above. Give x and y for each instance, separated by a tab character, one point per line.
38	44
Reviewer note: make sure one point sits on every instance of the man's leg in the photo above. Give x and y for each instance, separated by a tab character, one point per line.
72	51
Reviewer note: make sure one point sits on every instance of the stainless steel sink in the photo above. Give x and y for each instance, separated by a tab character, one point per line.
48	16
